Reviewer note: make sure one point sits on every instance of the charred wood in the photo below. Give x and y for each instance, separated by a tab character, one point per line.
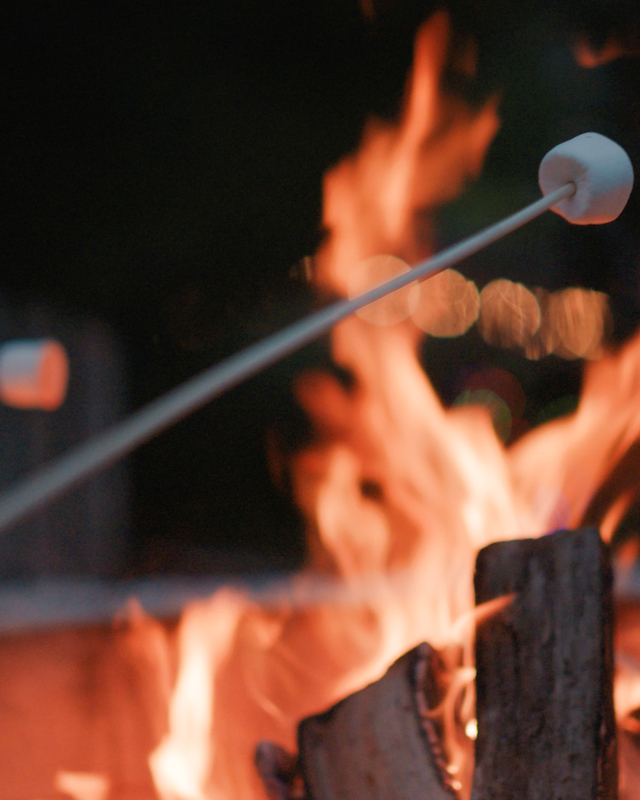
379	743
280	772
546	726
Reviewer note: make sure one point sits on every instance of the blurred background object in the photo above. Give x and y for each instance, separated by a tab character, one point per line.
46	409
33	374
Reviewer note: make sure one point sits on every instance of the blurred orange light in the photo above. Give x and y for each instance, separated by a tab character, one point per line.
580	318
448	306
509	314
395	307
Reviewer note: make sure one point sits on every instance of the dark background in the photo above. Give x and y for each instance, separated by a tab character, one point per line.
162	165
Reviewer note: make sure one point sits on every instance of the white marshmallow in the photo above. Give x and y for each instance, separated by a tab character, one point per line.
601	171
33	374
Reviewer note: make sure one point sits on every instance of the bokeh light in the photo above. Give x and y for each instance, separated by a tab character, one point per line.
509	314
495	388
503	383
546	339
449	304
499	410
395	307
571	323
581	318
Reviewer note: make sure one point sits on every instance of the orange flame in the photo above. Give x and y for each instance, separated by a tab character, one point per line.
397	492
371	198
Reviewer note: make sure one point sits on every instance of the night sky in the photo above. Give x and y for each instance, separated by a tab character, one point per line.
162	167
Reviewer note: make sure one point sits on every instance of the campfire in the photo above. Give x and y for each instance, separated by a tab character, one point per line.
398	493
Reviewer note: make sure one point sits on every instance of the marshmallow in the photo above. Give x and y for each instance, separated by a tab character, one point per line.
601	172
33	374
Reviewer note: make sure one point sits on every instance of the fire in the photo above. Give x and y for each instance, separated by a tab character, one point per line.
82	785
449	304
398	493
371	198
580	483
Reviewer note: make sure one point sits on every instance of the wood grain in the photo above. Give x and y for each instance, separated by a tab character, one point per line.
546	726
373	744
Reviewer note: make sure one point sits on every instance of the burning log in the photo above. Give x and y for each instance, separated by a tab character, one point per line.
546	725
380	741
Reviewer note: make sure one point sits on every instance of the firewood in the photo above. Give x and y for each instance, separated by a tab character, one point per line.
379	743
546	726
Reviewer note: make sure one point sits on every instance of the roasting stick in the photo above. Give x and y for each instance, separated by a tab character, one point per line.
52	480
86	459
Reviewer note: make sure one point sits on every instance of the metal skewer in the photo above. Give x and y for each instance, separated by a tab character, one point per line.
55	478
